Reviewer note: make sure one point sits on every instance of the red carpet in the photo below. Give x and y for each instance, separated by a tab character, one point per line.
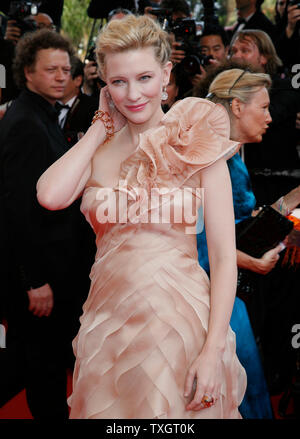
17	407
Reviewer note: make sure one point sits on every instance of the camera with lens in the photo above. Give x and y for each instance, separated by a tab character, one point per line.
91	56
20	11
294	2
164	16
185	31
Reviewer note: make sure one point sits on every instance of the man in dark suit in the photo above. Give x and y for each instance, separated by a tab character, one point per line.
50	252
76	108
250	16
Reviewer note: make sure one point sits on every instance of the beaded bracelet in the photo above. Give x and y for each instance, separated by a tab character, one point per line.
283	209
108	123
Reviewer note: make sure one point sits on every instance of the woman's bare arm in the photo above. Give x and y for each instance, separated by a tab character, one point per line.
65	180
220	232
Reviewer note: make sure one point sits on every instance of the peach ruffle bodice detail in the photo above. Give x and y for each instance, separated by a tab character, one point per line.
191	136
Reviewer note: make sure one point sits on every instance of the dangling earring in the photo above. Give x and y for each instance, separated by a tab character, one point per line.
164	95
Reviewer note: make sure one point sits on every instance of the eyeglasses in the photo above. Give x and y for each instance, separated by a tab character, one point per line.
237	80
46	26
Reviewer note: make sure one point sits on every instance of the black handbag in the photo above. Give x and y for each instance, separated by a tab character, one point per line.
255	236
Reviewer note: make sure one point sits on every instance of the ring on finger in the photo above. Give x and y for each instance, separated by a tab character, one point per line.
207	401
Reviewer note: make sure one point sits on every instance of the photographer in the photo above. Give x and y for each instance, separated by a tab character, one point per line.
193	53
214	43
179	9
91	82
53	8
21	17
18	19
214	46
288	43
16	27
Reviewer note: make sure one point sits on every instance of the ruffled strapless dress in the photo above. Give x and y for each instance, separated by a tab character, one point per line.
146	317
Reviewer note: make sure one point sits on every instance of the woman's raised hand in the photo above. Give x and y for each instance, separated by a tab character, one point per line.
106	104
293	19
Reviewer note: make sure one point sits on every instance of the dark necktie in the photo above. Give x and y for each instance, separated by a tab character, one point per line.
60	107
241	20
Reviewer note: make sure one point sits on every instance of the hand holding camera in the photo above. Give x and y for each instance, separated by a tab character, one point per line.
293	12
90	76
12	32
186	49
20	19
177	54
203	73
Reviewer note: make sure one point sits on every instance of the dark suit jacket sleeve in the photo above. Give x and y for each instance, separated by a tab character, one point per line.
288	49
25	159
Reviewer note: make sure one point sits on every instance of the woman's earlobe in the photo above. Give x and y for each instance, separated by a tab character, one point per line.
236	107
167	70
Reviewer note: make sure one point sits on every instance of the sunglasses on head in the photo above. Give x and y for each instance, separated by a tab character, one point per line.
237	80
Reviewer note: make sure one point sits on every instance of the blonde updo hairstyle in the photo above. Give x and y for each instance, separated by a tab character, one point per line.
132	32
236	83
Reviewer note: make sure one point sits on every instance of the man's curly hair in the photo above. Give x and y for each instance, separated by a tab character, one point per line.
28	47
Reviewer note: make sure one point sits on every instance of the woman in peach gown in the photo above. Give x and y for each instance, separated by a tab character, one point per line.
155	340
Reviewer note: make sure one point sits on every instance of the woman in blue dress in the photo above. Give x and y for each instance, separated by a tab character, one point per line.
256	403
238	90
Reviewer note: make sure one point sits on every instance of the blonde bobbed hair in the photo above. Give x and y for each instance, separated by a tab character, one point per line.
236	83
132	32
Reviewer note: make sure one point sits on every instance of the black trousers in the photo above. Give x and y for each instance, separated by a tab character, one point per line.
39	349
